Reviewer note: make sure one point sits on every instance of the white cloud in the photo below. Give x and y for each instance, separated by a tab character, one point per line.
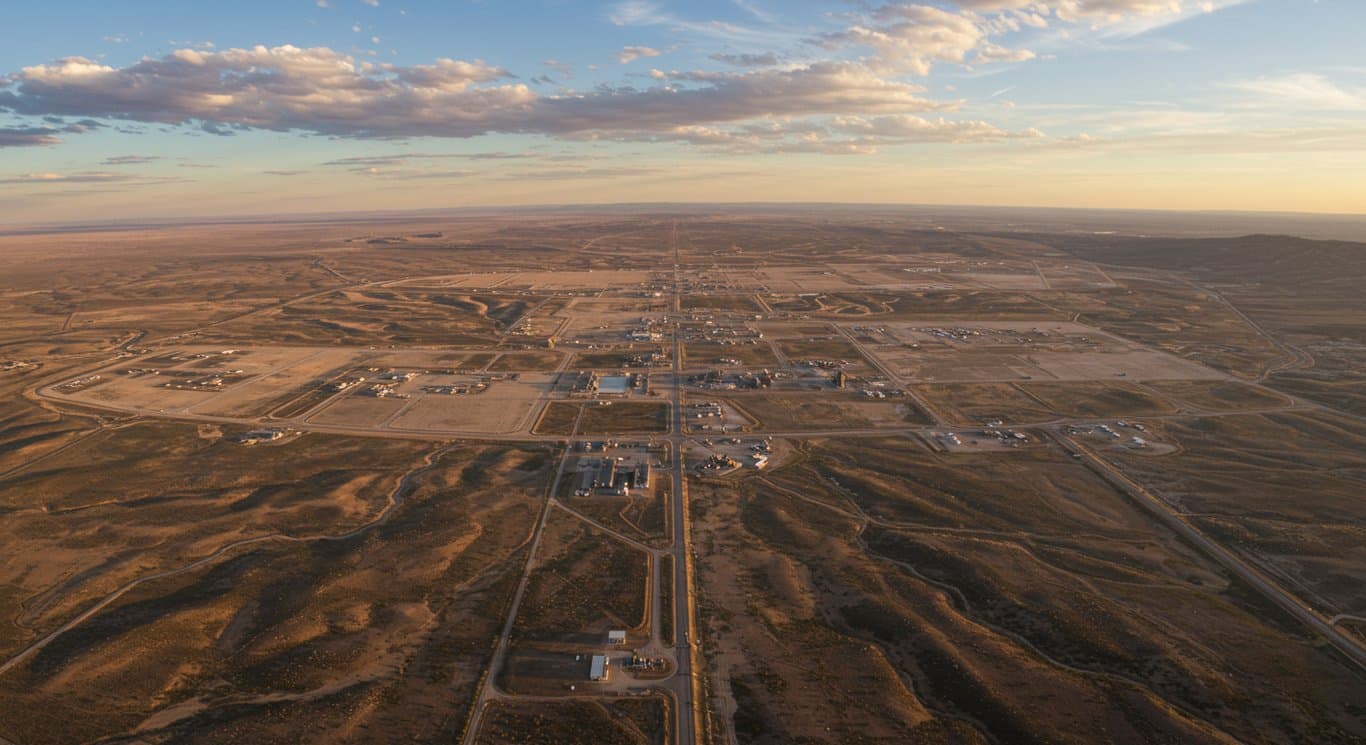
911	38
907	129
634	12
85	177
633	53
1304	91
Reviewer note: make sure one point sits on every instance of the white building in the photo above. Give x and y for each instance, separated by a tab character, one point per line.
599	670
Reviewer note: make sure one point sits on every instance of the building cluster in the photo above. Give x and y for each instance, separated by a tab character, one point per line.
653	359
879	392
585	385
705	410
1135	441
457	389
612	477
642	663
383	390
591	384
758	453
16	365
337	386
81	382
1009	336
1007	436
720	462
524	327
258	436
716	380
992	430
649	329
208	382
704	328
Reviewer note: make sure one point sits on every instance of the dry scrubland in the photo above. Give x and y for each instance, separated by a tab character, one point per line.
584	582
878	591
347	623
160	582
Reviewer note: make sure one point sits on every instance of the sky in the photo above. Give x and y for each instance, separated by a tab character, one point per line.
161	108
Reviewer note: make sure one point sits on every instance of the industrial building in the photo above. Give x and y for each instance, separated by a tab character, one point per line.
614	385
600	669
260	435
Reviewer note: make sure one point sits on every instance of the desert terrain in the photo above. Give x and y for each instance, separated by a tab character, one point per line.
677	477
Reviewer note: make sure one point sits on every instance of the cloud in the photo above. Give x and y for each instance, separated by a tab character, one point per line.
912	38
753	9
1095	11
1301	91
564	69
908	129
403	174
768	59
581	173
274	172
837	135
44	135
719	97
50	182
400	158
281	88
630	54
129	160
1259	141
993	53
635	12
86	177
28	136
646	13
325	92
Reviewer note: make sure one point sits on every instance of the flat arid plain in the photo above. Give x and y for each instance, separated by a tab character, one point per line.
714	477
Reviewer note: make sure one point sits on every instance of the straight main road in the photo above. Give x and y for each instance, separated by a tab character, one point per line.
684	684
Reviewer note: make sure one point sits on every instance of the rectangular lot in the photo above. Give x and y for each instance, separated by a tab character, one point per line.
505	408
1006	351
253	380
272	380
543	281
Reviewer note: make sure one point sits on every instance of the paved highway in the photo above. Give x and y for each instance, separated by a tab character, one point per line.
1349	646
684	685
